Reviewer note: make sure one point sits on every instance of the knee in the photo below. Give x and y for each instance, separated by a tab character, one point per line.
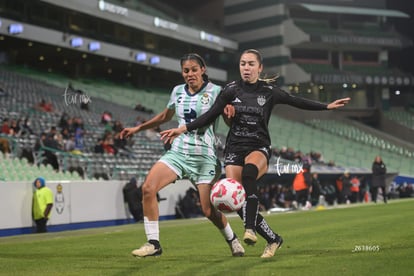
149	190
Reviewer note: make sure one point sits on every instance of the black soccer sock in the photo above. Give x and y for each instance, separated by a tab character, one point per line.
264	230
251	208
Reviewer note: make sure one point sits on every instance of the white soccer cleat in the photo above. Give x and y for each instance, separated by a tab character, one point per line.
237	249
271	248
249	237
147	250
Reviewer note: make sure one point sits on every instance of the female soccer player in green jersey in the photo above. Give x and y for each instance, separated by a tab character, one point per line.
192	154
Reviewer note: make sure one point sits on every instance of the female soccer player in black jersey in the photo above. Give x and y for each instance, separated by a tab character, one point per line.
247	150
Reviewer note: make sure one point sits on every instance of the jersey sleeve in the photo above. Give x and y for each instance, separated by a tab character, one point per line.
284	97
173	96
216	109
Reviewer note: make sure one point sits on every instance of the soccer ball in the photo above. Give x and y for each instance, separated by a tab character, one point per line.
227	195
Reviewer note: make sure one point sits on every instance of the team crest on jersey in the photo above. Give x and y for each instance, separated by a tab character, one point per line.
205	99
261	100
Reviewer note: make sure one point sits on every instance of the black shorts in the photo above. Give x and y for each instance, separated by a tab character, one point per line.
237	157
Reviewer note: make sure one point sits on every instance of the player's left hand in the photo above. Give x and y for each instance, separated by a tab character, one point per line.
229	111
338	103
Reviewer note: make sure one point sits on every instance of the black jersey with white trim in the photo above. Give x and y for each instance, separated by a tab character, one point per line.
253	104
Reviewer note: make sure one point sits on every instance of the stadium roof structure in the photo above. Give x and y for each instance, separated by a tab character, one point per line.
354	10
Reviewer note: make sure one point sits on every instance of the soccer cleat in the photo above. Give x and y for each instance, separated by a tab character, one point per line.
271	248
249	237
147	250
237	249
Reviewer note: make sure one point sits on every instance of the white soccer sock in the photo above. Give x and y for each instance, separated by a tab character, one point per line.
151	229
227	232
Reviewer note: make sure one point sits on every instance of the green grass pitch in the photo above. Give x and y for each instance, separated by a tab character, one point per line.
365	239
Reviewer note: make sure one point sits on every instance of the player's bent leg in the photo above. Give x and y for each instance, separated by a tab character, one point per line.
216	217
159	176
219	220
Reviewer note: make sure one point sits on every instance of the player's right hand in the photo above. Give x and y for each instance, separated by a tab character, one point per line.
127	132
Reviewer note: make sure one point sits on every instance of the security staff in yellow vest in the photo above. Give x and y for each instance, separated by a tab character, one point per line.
42	204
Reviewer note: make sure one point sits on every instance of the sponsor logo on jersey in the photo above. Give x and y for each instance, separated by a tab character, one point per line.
236	100
180	99
205	99
261	100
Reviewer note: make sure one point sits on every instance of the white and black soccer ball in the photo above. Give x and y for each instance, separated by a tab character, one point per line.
227	195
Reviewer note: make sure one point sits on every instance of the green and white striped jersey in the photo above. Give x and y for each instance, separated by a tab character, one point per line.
187	108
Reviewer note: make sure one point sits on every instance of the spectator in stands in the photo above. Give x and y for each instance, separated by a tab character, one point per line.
120	145
15	128
70	145
44	106
140	107
79	144
25	127
247	150
197	95
63	121
51	146
5	127
99	148
5	146
65	134
379	171
4	140
106	117
117	127
108	143
42	204
316	157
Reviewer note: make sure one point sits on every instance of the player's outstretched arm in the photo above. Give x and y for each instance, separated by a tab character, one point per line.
155	121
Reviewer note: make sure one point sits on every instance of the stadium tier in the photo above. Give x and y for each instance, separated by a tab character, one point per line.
344	144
